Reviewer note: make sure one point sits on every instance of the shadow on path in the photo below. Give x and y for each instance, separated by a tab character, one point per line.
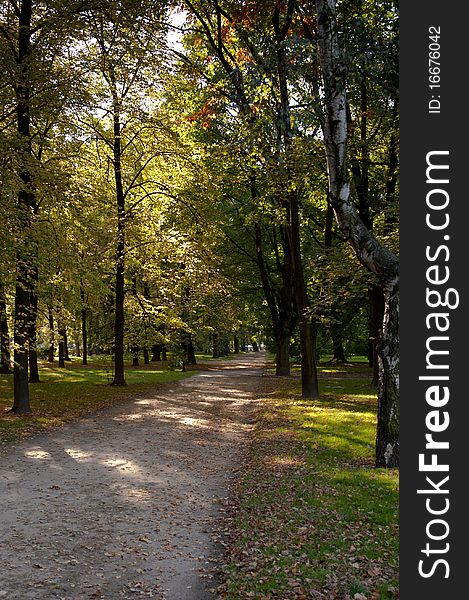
125	504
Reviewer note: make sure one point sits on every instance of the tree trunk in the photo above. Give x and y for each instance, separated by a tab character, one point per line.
135	361
4	335
66	354
84	331
146	356
119	369
337	344
77	345
308	329
216	349
33	366
62	337
387	435
20	372
309	378
282	367
255	347
236	344
282	312
164	355
156	350
369	251
26	209
51	335
375	325
190	351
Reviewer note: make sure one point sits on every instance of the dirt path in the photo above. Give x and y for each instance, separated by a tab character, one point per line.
125	504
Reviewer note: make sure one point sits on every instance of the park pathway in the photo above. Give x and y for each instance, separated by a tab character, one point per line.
125	503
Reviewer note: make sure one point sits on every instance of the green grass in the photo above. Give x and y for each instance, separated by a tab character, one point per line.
357	364
205	357
66	394
352	358
314	513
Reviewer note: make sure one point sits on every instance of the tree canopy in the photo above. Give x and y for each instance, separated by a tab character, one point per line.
200	175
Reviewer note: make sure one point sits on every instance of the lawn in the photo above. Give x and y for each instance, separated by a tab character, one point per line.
66	394
312	516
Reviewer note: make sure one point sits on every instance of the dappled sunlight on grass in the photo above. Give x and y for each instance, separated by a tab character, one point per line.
340	531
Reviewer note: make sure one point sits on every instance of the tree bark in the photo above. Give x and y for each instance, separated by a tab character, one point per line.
190	351
32	342
368	250
337	344
307	326
4	335
77	345
375	324
156	353
282	368
236	344
26	208
135	360
146	356
216	343
119	369
66	354
84	330
51	335
62	337
387	434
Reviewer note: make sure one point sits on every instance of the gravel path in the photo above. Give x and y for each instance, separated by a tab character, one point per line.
125	504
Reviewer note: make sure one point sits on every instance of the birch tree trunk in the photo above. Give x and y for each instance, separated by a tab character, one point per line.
368	250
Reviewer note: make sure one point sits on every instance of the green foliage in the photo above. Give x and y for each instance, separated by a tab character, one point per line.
210	157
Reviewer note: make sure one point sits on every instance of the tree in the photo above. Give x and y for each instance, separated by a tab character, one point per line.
121	46
369	251
256	66
33	35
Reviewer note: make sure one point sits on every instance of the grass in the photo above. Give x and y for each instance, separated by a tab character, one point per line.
314	518
205	357
66	394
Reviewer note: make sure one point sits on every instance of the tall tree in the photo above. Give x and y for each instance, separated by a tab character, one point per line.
34	34
26	209
124	47
256	60
369	251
